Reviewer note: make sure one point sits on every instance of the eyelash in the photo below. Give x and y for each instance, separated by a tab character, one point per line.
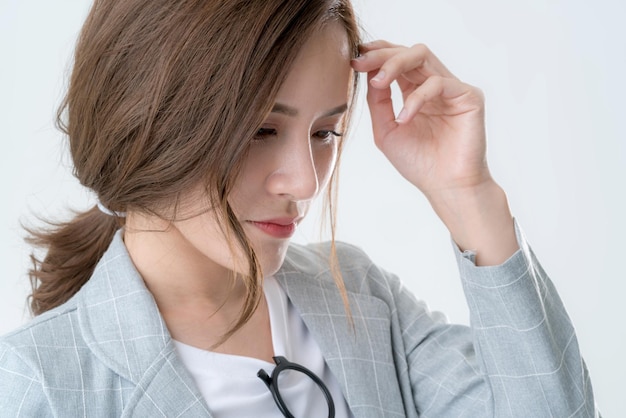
324	134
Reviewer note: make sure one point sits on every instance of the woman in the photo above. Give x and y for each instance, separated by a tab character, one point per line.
206	129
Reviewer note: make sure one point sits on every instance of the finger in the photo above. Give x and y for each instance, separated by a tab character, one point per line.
449	92
416	64
406	86
381	110
374	59
374	45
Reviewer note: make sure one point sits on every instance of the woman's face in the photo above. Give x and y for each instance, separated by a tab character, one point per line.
290	159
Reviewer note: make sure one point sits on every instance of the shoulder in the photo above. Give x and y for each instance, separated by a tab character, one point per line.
316	259
21	384
358	272
61	323
48	323
24	354
27	343
316	256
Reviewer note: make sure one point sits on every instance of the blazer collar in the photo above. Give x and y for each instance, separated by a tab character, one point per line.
122	326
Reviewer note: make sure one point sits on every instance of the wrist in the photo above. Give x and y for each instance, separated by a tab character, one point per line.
479	219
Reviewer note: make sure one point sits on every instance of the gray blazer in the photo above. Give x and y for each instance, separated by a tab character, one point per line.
107	351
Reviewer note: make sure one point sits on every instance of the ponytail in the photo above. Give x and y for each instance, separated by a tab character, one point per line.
72	250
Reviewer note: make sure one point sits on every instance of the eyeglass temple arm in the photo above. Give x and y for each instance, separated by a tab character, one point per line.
262	374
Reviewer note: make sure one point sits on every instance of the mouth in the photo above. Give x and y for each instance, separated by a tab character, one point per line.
278	228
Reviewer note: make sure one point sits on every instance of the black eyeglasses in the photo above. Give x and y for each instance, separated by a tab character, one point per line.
272	383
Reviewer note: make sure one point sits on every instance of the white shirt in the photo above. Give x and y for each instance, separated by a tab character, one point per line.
230	385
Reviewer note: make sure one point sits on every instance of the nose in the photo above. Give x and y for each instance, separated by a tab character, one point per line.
295	173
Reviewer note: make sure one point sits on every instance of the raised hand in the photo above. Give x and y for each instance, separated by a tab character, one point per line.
437	142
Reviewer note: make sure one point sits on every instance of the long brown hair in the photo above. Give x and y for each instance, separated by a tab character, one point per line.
164	96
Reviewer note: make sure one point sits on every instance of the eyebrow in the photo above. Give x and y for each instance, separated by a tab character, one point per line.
292	111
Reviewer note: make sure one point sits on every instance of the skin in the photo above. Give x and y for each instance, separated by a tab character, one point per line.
437	143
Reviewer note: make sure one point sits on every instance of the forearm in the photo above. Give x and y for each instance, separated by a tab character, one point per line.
524	339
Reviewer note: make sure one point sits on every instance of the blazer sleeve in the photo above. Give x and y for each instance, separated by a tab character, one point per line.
518	358
21	390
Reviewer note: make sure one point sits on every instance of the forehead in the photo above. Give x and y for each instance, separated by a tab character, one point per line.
331	38
321	72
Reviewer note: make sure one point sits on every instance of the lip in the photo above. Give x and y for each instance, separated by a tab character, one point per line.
277	227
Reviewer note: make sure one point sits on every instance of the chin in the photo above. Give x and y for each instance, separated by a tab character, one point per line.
271	259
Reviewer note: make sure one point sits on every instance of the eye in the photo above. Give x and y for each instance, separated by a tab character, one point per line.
264	133
326	135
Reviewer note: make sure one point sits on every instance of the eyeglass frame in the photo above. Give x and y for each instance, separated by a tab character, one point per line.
272	384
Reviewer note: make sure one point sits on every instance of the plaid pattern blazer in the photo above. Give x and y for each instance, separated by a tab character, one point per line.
107	351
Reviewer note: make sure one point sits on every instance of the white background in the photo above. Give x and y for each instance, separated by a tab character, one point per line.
553	74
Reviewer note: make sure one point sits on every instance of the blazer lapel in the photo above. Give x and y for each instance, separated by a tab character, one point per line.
123	328
166	390
359	356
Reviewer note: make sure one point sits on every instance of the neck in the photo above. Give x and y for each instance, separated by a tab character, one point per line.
186	285
199	299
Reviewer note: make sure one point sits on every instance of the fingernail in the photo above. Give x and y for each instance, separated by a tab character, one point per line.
402	116
379	76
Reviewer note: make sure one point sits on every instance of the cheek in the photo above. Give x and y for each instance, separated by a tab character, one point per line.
250	179
261	160
325	161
